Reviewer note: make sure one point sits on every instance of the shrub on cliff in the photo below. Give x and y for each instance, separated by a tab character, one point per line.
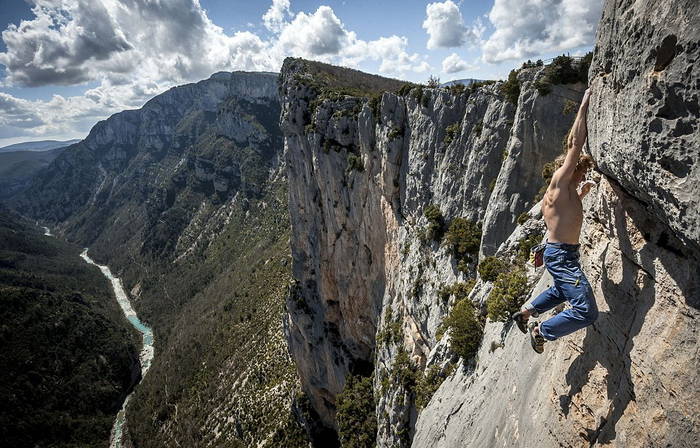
507	296
436	222
490	267
460	290
355	162
451	132
563	71
523	217
429	381
466	330
357	422
403	372
433	82
464	236
511	88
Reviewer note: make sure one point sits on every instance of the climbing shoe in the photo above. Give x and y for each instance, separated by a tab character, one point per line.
520	321
536	339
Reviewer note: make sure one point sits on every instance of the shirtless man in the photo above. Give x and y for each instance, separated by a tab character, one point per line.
563	214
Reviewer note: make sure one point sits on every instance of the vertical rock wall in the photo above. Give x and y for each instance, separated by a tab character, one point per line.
361	176
631	379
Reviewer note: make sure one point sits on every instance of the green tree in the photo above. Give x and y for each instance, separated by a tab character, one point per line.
464	236
357	422
466	330
490	267
507	296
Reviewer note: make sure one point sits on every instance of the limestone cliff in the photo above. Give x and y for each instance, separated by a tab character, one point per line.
362	172
372	281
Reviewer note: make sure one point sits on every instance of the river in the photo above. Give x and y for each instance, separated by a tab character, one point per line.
146	356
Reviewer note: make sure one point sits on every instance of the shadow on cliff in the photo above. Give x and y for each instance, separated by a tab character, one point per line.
610	340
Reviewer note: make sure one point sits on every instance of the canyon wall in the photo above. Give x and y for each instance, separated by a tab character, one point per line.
370	278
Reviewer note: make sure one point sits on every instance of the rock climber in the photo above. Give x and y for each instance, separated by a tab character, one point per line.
563	215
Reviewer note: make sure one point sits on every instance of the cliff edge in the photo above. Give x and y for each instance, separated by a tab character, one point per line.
397	194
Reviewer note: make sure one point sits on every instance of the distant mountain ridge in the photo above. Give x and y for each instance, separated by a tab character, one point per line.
185	199
41	145
17	168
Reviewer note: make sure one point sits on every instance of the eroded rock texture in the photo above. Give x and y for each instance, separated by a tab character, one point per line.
361	174
365	268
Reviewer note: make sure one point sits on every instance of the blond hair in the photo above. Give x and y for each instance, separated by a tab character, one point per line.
585	162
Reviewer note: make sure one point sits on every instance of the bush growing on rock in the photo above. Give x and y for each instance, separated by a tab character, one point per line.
490	267
395	133
507	296
563	71
403	372
436	222
523	217
355	162
451	132
511	88
460	290
429	381
357	422
466	330
433	82
464	236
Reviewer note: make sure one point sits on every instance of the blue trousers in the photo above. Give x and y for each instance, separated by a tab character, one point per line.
570	284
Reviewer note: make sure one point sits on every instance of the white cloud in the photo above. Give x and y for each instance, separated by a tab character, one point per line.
445	26
453	64
525	28
59	116
389	51
317	34
135	49
276	15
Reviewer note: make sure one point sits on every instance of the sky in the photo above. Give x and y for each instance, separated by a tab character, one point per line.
66	64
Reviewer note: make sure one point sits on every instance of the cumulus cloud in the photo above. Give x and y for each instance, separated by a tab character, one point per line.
317	34
135	49
445	26
276	15
525	28
454	64
59	116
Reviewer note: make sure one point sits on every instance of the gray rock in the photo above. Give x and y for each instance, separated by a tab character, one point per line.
645	107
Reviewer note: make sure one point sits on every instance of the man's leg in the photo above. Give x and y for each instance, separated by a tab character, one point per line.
583	312
548	299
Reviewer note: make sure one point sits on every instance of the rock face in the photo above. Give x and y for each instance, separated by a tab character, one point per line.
644	128
361	174
617	383
370	281
536	138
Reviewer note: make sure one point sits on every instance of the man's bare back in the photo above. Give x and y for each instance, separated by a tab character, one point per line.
561	205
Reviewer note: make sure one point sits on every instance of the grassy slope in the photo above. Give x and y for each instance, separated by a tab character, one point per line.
68	351
225	377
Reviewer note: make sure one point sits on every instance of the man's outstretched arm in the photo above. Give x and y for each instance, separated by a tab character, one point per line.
577	136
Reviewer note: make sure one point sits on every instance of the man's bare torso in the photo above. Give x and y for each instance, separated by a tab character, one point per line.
563	214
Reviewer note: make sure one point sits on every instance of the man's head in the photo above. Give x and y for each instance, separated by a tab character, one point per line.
585	163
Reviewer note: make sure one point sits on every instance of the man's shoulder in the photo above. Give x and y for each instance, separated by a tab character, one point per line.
561	178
